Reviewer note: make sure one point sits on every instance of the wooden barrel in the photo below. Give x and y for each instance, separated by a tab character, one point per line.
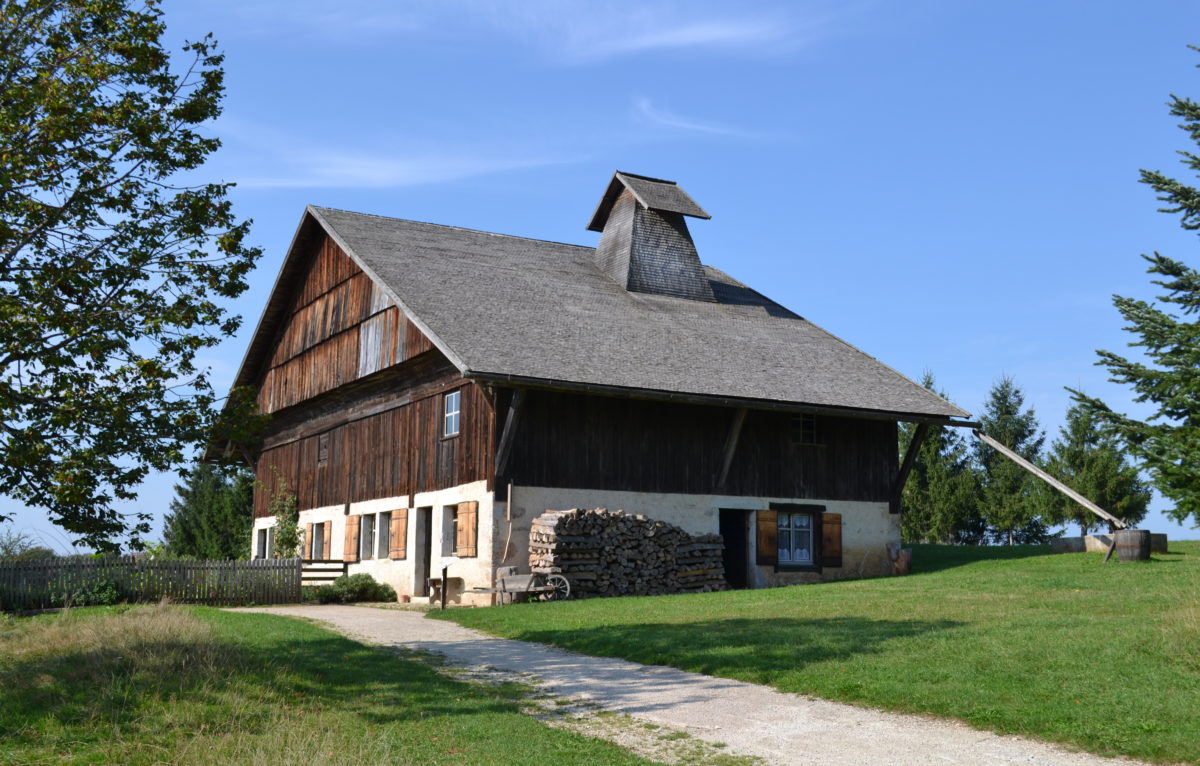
1133	545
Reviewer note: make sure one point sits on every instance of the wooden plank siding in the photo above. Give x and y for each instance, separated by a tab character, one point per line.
342	327
399	451
592	442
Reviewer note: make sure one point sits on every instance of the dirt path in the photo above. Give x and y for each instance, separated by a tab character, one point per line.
748	719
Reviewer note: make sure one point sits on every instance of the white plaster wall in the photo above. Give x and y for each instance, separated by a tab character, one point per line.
867	528
401	574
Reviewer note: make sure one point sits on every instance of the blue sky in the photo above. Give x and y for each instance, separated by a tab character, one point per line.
949	186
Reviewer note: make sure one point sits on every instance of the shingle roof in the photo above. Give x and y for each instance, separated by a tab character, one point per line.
505	307
653	193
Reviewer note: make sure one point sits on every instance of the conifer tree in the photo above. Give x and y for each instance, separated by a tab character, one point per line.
938	503
212	514
1008	497
1168	375
1092	463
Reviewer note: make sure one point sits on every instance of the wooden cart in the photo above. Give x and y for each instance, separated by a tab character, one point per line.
540	587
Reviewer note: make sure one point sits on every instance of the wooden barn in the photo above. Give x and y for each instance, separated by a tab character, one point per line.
432	389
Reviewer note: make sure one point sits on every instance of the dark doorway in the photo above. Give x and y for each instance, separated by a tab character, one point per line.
424	550
735	526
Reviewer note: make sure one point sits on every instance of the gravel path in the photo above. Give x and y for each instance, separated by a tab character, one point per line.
749	719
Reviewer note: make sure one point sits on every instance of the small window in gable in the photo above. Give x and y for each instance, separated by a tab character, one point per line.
805	429
323	448
453	413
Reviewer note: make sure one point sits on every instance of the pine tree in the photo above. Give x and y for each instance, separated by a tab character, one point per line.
938	503
1008	498
212	514
1168	442
1092	463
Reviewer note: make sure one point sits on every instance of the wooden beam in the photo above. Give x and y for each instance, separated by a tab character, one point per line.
910	459
1053	482
504	449
735	431
717	401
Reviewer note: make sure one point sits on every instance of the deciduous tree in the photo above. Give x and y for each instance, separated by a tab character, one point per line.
115	259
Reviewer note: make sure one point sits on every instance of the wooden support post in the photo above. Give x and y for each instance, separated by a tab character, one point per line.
906	466
1053	482
504	449
445	585
735	431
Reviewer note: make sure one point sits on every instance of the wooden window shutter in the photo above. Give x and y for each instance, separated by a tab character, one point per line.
308	541
831	539
468	522
327	541
350	550
767	543
398	536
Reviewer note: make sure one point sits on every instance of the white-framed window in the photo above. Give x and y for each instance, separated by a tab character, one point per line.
383	535
453	413
366	537
795	538
262	547
374	535
316	548
450	530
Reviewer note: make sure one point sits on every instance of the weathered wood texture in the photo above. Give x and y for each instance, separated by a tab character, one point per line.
40	584
343	327
592	442
395	451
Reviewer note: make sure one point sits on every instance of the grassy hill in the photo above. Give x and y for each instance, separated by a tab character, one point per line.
1063	647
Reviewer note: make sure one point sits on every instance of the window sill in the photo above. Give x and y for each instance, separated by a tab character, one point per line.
797	567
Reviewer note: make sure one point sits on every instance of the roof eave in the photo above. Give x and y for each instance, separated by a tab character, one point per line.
523	381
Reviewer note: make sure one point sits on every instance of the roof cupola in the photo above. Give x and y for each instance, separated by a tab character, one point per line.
645	245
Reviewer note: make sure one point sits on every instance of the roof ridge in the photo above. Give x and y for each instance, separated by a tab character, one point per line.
448	226
648	178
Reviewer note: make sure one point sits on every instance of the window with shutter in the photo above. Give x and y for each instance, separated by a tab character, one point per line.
831	539
466	522
366	537
383	535
398	536
765	539
350	549
799	537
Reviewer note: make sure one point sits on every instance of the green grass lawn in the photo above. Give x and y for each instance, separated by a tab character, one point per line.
173	685
1103	656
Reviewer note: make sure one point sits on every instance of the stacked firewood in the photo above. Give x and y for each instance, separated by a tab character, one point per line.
612	553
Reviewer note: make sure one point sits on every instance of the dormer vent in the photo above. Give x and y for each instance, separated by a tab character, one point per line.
645	245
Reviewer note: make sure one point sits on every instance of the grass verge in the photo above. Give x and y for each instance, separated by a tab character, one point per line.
1064	647
140	685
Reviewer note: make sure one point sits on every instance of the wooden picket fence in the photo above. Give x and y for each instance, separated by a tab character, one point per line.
53	582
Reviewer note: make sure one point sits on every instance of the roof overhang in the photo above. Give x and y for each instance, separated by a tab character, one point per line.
517	381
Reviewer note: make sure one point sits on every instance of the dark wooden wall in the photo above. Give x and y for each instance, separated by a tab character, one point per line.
342	327
593	442
396	451
355	393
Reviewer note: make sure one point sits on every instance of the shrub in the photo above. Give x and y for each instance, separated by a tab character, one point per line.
357	587
92	593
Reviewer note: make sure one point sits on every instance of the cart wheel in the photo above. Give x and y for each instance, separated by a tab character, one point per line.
560	588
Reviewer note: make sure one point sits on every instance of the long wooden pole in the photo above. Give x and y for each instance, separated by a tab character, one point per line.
1053	482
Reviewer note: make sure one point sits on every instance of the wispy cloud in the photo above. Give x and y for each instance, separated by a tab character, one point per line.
267	158
646	111
566	31
584	33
